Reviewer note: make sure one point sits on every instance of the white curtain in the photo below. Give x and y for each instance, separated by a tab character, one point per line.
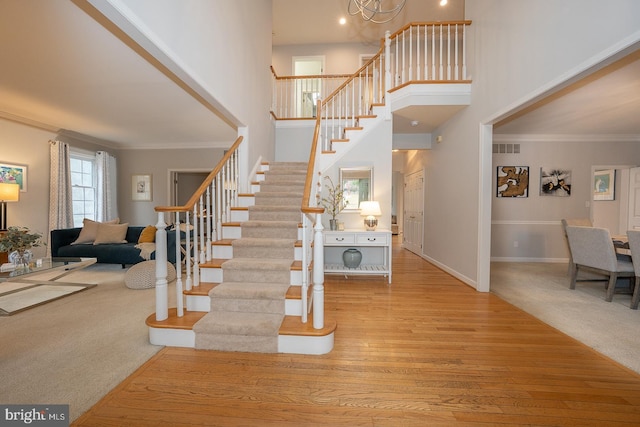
107	208
60	201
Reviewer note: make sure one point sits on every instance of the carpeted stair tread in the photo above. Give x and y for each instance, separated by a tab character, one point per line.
258	264
256	241
236	323
270	229
250	290
274	213
271	224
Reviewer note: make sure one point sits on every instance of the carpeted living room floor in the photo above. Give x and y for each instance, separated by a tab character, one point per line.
542	290
76	349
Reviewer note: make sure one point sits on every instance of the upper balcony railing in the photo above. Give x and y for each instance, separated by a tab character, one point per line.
420	52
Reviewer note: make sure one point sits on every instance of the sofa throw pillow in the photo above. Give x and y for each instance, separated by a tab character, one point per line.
148	235
111	233
90	229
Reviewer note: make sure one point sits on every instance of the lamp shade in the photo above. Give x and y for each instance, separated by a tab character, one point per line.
370	208
9	192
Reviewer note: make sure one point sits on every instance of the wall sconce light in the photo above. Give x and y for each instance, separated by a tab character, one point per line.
8	193
369	210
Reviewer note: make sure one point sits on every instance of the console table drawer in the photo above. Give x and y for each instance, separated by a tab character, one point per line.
339	238
372	239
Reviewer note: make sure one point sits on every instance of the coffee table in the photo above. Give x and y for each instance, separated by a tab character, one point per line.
22	289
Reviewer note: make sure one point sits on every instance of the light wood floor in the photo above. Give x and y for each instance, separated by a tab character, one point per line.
426	351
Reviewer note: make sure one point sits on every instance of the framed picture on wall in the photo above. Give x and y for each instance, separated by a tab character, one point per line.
555	182
14	174
141	188
604	185
512	181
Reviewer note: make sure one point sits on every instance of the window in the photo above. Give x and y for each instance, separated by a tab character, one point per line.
83	187
357	186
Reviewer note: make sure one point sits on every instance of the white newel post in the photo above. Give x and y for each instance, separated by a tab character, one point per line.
162	296
387	73
318	274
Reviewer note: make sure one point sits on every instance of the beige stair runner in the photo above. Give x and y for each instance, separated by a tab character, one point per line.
248	307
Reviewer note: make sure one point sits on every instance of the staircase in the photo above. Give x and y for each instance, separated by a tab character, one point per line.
249	297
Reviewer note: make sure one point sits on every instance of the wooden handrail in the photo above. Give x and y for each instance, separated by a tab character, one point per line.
306	195
428	24
354	75
208	180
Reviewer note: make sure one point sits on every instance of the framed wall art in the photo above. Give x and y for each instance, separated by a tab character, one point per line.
512	181
604	185
555	182
14	174
141	188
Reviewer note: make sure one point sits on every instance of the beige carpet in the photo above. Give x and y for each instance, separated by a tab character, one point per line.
76	349
542	290
248	307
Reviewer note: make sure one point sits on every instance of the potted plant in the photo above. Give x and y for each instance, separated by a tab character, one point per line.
18	241
334	202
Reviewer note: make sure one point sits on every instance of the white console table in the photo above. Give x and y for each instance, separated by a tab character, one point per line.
374	245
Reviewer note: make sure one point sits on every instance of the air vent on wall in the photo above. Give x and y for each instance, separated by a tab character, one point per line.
506	148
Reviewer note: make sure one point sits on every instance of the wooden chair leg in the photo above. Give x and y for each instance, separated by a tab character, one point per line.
636	294
611	288
574	277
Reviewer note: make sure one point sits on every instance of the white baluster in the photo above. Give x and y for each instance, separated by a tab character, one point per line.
410	54
188	246
179	295
464	52
208	220
196	261
162	296
433	52
456	71
448	52
418	52
441	69
318	275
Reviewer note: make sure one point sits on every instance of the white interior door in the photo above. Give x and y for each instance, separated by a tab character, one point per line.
413	211
634	199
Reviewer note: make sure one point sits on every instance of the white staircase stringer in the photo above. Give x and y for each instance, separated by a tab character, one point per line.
355	137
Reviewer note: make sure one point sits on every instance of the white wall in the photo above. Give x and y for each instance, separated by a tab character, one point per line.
517	51
374	150
534	222
294	140
226	47
157	163
339	58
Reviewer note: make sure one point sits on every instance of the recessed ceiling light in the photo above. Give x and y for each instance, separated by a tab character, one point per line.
443	2
414	123
342	21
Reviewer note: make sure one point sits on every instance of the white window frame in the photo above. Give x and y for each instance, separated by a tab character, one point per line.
85	157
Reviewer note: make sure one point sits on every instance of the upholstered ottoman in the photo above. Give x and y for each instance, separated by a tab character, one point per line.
143	275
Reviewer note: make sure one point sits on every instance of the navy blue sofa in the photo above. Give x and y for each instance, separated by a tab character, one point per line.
110	253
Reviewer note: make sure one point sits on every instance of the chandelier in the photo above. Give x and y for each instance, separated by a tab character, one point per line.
375	11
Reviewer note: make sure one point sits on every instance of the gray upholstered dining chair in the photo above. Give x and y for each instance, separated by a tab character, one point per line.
634	246
592	249
582	222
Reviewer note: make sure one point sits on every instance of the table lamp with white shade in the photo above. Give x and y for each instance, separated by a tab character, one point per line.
8	193
369	210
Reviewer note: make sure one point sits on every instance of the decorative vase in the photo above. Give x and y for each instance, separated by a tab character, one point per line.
21	259
352	258
333	224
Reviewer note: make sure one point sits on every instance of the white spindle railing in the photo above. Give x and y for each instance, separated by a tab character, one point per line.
428	52
204	214
296	97
439	49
